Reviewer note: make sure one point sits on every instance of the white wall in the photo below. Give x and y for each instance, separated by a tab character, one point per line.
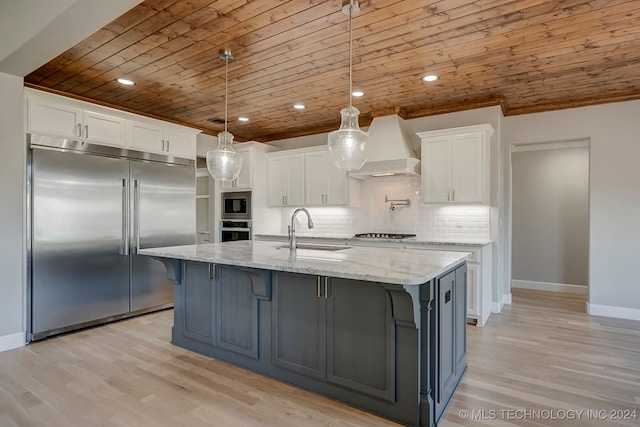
551	215
34	31
12	213
614	205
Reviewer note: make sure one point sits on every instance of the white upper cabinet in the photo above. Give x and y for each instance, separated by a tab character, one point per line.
244	181
285	179
57	116
53	119
154	136
103	129
146	136
325	185
64	119
455	165
180	141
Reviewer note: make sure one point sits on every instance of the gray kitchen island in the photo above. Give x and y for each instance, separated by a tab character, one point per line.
380	329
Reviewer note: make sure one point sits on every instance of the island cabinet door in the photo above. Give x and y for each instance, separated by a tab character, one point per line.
237	291
194	303
451	335
298	324
360	337
461	320
446	365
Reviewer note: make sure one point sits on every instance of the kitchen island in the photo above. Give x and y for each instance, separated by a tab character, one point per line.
379	329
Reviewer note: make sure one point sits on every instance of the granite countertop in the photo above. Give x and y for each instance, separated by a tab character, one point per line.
349	239
407	267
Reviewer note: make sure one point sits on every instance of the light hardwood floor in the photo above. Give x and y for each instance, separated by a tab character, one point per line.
534	364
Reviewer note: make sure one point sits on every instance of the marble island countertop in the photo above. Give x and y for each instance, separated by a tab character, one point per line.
406	267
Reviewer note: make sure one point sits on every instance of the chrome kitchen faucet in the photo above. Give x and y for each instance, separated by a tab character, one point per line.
292	228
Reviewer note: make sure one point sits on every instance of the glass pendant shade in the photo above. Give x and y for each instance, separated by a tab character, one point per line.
348	145
224	163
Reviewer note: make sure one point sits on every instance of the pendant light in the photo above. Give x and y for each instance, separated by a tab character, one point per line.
348	145
224	163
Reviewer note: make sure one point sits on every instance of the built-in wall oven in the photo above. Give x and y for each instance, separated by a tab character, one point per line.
235	229
235	222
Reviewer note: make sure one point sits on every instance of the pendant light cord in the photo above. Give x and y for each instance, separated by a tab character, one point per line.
350	52
226	84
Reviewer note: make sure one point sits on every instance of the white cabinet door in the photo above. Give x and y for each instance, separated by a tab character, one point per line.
63	120
285	180
244	180
57	116
467	168
103	129
337	185
53	119
295	180
436	170
276	180
155	137
315	178
179	143
455	165
325	185
145	137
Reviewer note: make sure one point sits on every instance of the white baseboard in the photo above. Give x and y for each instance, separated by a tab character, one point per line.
506	298
552	287
496	307
613	311
9	342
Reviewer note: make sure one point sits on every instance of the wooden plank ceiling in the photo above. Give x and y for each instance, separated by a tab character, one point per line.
524	55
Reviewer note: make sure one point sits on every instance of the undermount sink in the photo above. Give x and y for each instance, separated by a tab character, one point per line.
315	247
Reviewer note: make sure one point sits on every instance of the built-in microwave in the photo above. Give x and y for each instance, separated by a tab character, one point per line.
236	205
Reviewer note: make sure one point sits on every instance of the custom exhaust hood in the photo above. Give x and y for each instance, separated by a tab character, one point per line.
390	152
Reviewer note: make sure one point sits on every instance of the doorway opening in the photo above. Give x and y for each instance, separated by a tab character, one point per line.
550	217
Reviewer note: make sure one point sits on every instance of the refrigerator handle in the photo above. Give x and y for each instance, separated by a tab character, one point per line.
125	217
136	215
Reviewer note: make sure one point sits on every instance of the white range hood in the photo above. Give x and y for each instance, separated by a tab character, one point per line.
390	152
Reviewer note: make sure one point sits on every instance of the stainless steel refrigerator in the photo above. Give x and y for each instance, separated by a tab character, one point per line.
92	208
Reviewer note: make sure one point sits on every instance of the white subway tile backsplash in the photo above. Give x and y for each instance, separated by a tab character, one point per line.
445	223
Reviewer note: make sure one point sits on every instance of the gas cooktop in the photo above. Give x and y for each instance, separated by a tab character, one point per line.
384	236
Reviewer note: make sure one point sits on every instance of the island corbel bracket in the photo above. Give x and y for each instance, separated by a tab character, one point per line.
405	304
174	269
261	288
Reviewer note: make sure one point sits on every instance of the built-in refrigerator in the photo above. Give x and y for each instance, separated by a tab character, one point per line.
91	209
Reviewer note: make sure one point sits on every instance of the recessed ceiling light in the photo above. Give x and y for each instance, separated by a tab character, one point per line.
299	106
430	78
357	93
243	119
125	82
